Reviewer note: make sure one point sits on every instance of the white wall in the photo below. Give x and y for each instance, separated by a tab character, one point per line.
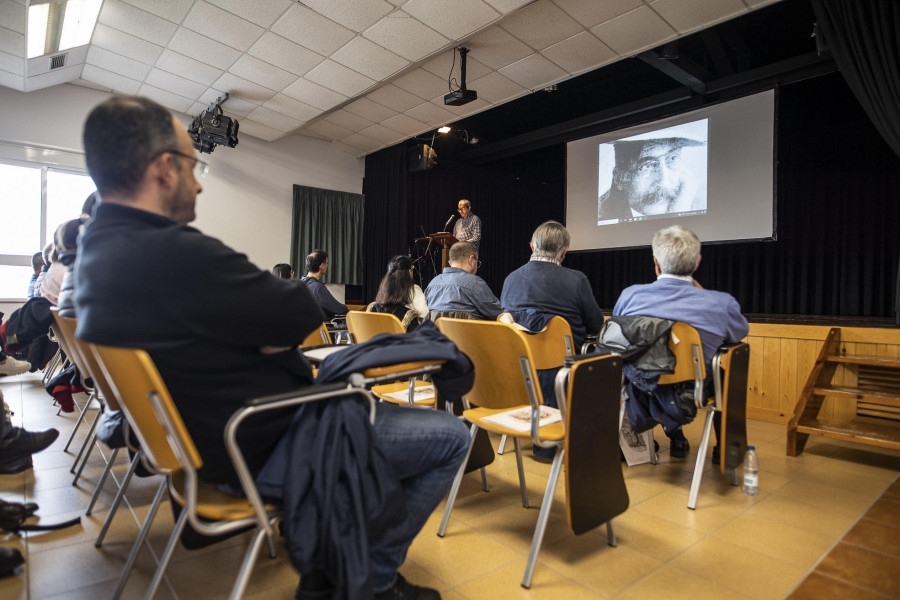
247	196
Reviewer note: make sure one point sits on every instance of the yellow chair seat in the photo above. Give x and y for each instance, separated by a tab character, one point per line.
402	386
551	433
213	503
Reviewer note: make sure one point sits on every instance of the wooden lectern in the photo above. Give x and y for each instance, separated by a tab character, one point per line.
445	240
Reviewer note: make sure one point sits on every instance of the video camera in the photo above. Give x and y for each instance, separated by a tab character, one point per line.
212	128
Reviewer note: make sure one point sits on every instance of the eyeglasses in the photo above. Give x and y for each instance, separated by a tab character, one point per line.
200	168
477	262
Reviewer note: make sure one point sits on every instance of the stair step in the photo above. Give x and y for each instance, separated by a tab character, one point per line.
854	393
884	436
860	359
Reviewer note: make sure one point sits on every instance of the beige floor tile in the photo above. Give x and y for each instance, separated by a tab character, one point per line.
799	514
782	542
827	496
675	584
514	526
505	583
672	506
739	569
588	560
850	476
653	536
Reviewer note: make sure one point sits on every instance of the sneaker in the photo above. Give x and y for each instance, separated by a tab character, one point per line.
679	448
11	366
404	590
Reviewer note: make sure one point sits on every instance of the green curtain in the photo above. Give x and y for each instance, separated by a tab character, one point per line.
331	221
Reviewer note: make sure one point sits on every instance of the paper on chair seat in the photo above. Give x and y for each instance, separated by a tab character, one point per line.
422	393
519	419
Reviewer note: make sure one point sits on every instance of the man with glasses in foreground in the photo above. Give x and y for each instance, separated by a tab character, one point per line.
459	289
220	330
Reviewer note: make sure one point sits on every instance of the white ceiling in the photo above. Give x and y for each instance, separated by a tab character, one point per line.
364	74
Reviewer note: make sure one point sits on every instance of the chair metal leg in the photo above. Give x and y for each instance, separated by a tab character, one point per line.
51	367
109	464
654	456
611	534
454	489
521	467
79	421
118	499
142	535
484	483
543	517
167	555
701	459
243	578
86	457
90	437
502	446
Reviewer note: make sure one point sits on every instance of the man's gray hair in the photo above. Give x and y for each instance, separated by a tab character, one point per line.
676	249
461	251
464	202
550	240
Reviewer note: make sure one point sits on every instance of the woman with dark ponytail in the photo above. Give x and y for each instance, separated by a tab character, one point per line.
399	295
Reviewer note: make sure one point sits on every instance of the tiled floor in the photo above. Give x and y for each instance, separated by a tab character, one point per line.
732	546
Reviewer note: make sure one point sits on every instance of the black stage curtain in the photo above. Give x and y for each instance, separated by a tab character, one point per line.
837	185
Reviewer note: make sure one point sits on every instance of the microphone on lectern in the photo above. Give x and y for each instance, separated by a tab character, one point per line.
447	224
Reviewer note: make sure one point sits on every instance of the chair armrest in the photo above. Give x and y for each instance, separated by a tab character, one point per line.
298	395
571	360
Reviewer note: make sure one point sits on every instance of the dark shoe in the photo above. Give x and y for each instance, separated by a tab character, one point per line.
404	590
314	586
542	459
25	443
679	448
716	457
10	558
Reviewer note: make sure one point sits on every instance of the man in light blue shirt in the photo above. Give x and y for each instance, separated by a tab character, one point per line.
458	288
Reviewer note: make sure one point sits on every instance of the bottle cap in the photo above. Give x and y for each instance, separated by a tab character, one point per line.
751	447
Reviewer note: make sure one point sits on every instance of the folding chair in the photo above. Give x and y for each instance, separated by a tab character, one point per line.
366	325
506	380
65	342
169	448
317	338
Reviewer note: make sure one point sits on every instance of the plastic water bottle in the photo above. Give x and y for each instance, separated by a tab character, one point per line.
751	472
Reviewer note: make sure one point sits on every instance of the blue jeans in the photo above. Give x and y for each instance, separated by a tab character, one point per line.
425	447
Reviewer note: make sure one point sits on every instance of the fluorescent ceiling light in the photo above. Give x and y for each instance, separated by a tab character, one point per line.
60	25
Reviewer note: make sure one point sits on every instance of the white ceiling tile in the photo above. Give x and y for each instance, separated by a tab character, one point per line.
170	10
125	44
110	80
496	48
690	15
370	110
262	73
441	64
541	24
313	94
261	12
12	15
12	64
327	129
393	97
12	42
12	81
758	3
339	78
405	36
496	88
352	14
55	77
634	31
507	6
533	72
364	56
292	108
361	142
221	25
348	120
454	19
590	13
273	119
579	53
307	133
405	125
90	84
184	66
285	54
203	49
356	152
137	22
197	108
233	106
382	134
117	63
175	84
423	84
258	130
431	114
312	30
166	98
237	86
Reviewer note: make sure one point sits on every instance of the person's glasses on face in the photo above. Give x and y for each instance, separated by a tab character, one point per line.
200	167
477	262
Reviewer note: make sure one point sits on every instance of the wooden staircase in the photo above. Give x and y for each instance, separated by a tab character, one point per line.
877	420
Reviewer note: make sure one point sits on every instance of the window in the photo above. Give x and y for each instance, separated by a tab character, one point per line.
36	200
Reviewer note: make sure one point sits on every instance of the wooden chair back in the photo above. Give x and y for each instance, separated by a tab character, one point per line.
504	375
734	363
684	342
318	337
133	378
366	325
84	360
551	345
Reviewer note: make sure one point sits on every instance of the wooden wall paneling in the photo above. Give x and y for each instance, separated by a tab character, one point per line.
771	378
788	375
